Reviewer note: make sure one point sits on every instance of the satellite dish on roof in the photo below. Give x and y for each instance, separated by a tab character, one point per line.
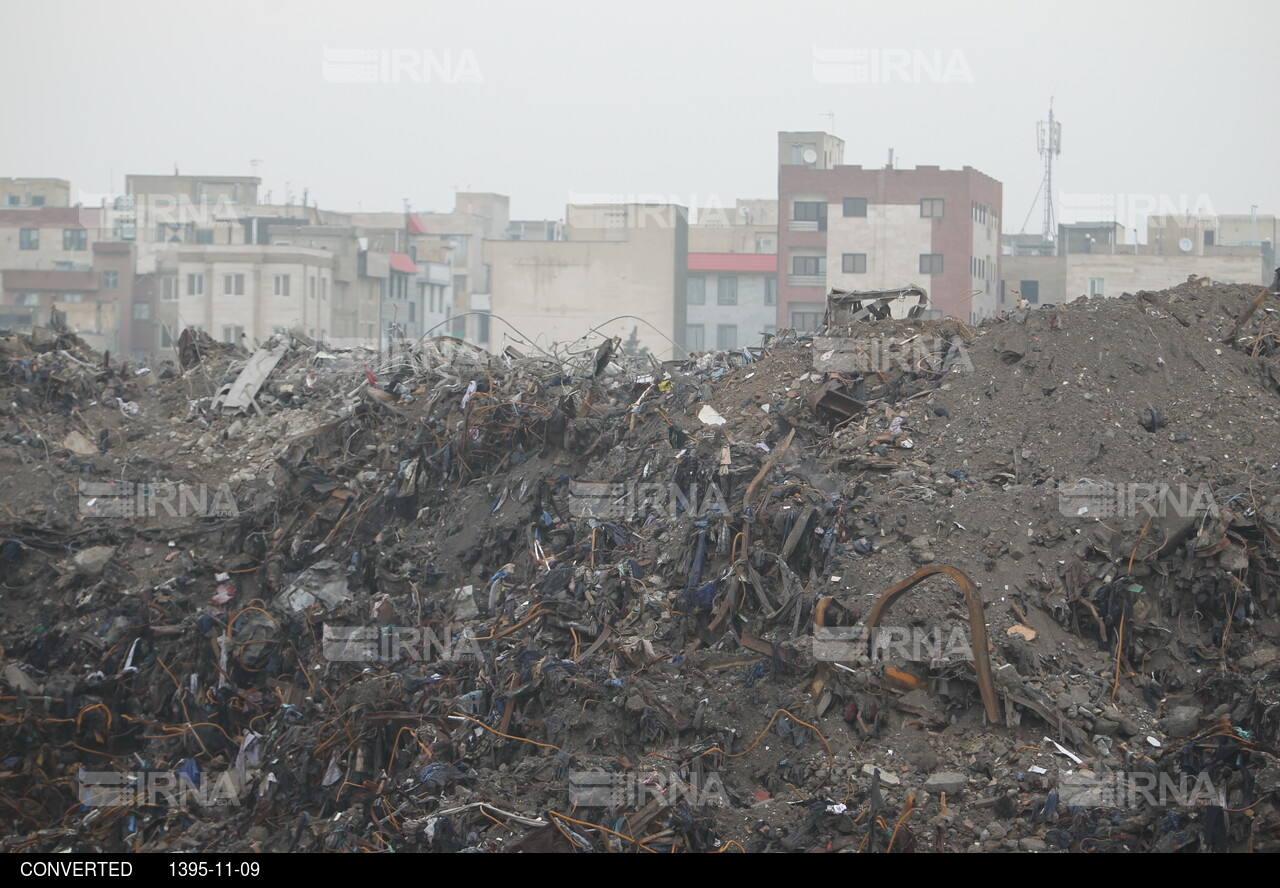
810	156
1185	245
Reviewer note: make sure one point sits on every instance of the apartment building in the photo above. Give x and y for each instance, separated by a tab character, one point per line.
33	193
749	226
866	229
50	238
243	293
161	213
731	299
1096	259
1215	236
455	239
103	301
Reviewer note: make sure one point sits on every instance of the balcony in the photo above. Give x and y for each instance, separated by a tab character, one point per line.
806	280
801	225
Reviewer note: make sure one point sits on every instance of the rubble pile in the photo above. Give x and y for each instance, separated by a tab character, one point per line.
436	599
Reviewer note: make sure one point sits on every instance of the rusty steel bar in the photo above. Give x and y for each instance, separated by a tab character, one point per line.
977	623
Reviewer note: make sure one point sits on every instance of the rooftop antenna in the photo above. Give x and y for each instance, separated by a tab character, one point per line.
890	164
1049	142
253	166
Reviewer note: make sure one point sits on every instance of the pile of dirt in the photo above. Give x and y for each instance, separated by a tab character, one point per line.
434	599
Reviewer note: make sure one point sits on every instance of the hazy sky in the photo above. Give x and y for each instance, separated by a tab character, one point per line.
1160	102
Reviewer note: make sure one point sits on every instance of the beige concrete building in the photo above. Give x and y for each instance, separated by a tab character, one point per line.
1058	279
749	226
1218	237
53	238
1093	259
618	259
244	293
34	193
163	213
102	301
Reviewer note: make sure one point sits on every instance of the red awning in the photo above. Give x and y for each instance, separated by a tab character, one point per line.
745	263
414	225
403	263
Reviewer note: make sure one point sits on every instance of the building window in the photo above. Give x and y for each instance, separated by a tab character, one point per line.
726	336
75	239
726	290
855	206
482	327
412	306
169	288
168	232
1096	286
281	287
1208	238
195	284
809	265
931	208
233	285
110	280
324	288
142	311
696	290
312	288
764	245
13	200
811	211
29	239
37	200
232	333
1030	291
695	337
931	263
853	263
204	235
28	299
72	297
771	291
805	321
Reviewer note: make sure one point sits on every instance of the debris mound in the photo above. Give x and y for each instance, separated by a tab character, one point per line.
905	585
